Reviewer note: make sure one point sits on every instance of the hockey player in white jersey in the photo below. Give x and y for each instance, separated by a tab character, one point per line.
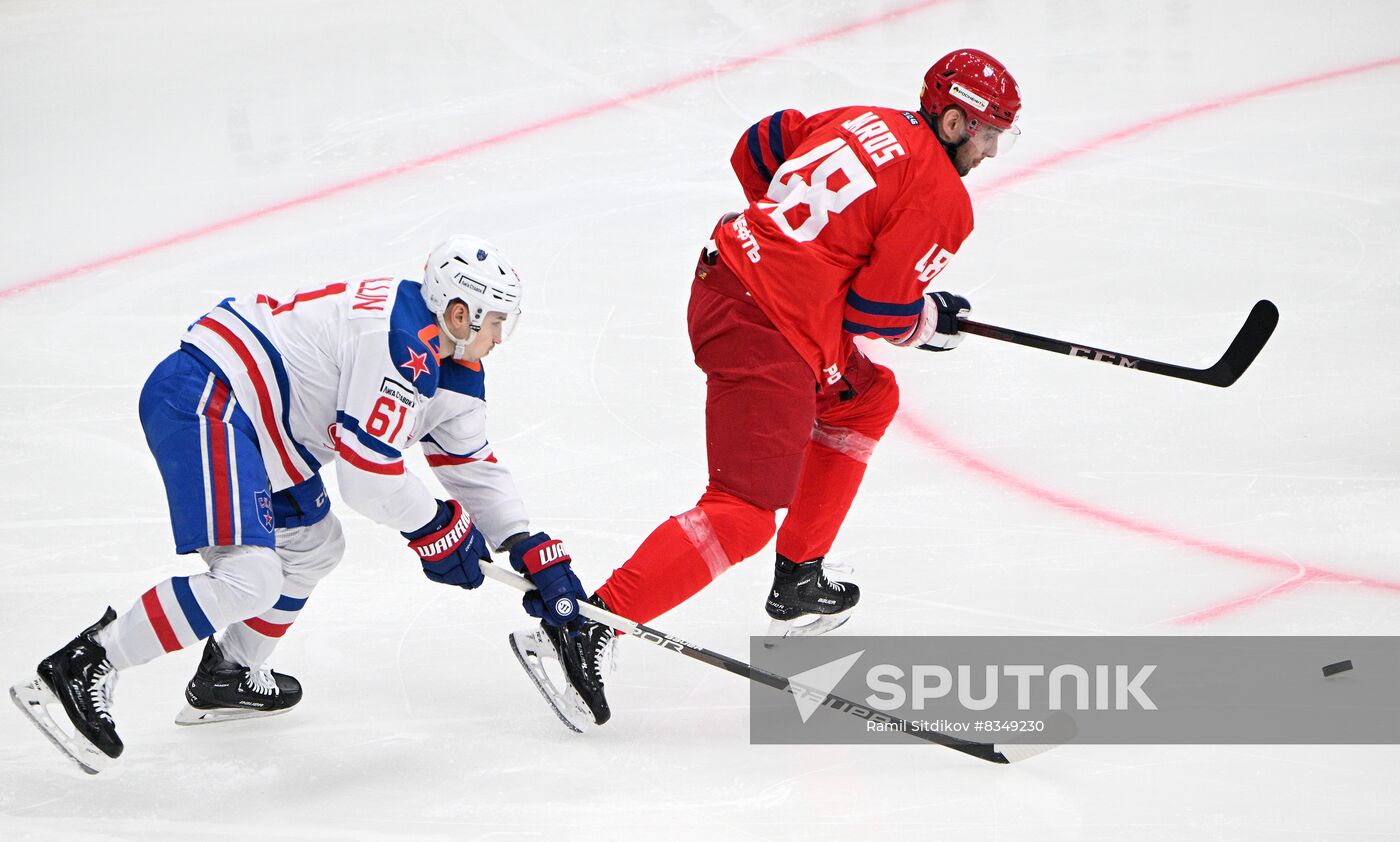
261	395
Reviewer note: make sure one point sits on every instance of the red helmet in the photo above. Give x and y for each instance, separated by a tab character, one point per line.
976	83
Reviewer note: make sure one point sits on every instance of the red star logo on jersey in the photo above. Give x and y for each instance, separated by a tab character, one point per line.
417	364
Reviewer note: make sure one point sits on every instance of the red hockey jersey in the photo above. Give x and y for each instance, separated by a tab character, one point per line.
853	212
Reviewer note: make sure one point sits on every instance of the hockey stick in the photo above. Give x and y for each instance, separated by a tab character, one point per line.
1257	329
993	753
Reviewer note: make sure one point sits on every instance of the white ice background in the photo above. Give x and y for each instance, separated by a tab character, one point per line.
1069	498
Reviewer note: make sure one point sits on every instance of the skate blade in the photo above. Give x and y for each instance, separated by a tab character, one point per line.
821	625
191	715
33	698
532	649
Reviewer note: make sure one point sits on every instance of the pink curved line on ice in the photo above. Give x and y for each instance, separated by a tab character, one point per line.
1302	574
467	148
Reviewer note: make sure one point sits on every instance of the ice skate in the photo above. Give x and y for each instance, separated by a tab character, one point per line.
222	690
801	590
581	703
79	679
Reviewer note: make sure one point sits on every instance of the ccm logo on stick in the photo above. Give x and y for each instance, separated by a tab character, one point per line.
1103	356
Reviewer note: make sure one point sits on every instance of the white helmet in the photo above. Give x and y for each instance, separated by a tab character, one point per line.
474	272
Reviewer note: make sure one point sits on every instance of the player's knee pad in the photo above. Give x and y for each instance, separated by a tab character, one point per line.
741	528
251	576
884	399
875	404
309	553
857	423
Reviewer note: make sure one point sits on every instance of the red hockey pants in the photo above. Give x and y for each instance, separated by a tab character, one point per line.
773	441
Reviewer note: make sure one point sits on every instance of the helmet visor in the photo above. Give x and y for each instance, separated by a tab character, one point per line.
997	141
497	320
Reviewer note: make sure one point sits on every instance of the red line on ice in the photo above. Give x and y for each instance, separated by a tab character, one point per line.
1300	573
468	148
1058	158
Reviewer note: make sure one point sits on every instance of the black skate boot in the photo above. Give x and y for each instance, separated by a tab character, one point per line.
582	656
80	679
222	690
802	589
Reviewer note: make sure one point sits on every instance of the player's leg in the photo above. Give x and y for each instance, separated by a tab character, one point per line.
233	680
759	409
852	417
310	546
219	505
760	402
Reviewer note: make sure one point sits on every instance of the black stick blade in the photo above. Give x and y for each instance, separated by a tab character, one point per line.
1246	346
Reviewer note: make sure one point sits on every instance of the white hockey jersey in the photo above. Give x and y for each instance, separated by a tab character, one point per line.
349	373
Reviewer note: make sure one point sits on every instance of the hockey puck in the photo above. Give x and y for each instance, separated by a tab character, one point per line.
1333	669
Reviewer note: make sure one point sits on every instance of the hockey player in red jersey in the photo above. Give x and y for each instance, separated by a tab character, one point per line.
852	214
259	397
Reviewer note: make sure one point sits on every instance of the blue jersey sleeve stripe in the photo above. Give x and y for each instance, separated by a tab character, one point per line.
883	308
194	615
348	422
289	603
756	151
775	137
866	330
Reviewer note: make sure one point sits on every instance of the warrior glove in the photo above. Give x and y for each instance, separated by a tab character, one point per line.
546	563
450	547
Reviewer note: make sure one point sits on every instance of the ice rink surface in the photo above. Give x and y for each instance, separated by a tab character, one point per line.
1180	160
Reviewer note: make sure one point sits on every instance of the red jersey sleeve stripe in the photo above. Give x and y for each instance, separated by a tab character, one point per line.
346	450
446	460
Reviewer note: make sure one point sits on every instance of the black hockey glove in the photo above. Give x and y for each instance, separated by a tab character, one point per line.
938	324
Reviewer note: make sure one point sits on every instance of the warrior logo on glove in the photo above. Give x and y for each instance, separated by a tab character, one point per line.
547	555
546	563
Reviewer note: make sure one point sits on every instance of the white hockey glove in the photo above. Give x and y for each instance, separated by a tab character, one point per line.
937	329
